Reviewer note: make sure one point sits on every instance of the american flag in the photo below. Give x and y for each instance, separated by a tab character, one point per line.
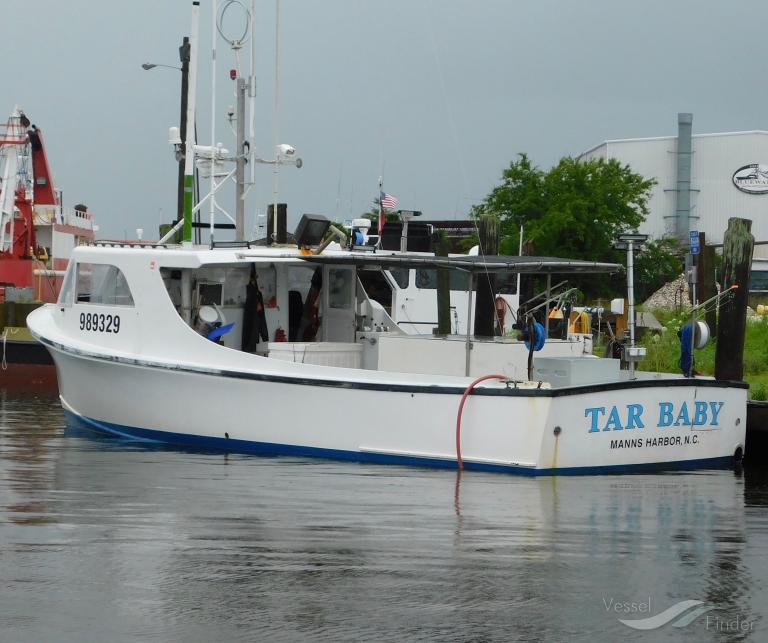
387	200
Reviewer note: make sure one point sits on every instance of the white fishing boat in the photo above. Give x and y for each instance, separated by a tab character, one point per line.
280	350
129	336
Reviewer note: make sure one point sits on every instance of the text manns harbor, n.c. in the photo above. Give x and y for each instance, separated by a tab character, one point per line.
633	416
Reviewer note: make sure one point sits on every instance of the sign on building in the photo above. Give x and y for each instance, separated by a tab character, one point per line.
752	179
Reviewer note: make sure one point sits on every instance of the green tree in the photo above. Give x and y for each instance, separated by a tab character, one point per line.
575	210
656	264
588	205
520	197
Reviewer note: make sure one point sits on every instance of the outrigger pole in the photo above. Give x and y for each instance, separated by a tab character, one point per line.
189	155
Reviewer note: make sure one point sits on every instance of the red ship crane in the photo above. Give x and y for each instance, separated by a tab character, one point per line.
45	193
20	191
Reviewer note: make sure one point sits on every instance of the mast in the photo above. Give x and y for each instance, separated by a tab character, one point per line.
212	202
189	155
11	191
276	123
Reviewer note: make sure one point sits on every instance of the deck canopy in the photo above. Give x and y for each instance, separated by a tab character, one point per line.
469	263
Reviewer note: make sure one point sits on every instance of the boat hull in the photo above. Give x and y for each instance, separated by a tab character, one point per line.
672	424
208	443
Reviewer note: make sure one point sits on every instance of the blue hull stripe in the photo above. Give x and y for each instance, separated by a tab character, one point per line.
207	443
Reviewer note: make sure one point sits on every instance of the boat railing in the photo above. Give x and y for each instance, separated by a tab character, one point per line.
78	218
50	215
125	243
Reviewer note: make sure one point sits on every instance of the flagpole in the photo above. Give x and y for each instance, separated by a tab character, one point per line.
382	216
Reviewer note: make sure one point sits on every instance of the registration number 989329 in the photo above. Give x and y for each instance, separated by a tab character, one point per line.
100	323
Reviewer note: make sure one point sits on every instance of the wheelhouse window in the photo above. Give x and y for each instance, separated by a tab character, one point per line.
101	283
758	281
68	287
339	287
506	283
376	286
427	279
400	275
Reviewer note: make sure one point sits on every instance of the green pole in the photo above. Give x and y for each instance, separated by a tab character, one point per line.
189	189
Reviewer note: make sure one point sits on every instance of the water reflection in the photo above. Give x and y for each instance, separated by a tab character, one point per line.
176	545
30	423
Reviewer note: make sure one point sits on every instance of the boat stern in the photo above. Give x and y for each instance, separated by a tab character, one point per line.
640	426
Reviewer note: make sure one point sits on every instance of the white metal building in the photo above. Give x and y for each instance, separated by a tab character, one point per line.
701	186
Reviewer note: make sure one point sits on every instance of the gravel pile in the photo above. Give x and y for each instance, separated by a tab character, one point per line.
671	296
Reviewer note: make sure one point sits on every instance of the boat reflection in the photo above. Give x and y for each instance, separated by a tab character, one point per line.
31	430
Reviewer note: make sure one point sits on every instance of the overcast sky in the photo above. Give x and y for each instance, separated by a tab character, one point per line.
440	94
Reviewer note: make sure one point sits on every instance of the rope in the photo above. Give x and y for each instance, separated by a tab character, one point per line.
454	130
6	330
50	281
467	391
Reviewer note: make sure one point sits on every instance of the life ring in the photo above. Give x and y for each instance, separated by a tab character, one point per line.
702	334
539	337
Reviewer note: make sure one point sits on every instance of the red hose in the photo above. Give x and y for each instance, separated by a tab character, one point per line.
467	391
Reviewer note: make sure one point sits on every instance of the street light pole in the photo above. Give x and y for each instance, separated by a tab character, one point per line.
632	353
184	57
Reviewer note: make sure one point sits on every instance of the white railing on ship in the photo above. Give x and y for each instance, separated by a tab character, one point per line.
64	216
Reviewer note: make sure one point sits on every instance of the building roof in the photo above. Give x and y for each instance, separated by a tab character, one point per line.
670	138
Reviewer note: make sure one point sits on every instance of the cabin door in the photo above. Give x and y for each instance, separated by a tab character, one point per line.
338	323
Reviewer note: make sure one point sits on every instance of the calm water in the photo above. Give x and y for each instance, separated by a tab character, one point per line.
101	540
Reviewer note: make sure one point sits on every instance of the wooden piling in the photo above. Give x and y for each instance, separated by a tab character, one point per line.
737	261
442	247
489	227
